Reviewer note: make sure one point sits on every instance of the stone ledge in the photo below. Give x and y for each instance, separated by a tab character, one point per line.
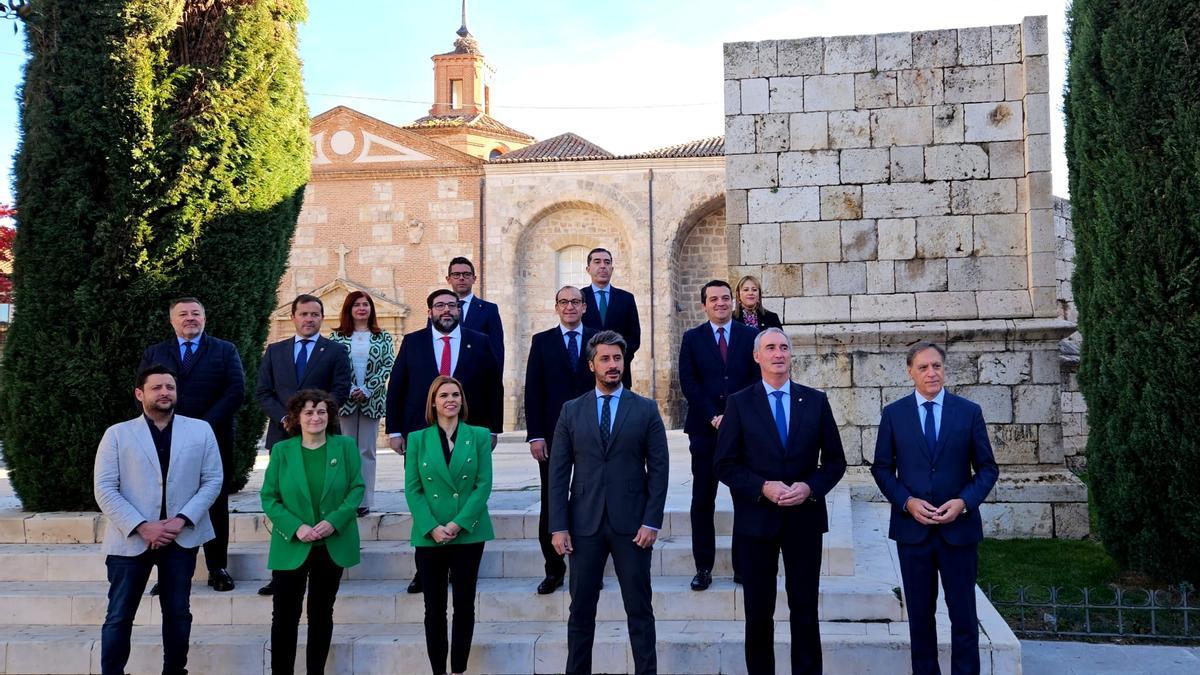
895	336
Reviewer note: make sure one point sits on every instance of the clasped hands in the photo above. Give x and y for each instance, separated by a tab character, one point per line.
786	494
445	533
927	514
159	533
315	532
561	541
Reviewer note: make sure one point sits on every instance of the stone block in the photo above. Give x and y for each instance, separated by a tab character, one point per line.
956	305
783	280
859	240
881	276
955	162
760	243
1050	445
756	98
828	92
733	97
820	309
809	167
974	84
841	202
855	406
777	205
975	46
771	133
907	164
1046	368
1034	36
849	129
996	402
810	131
893	307
1002	235
1037	75
934	48
800	57
984	196
880	370
736	207
61	527
751	171
944	237
893	51
851	444
899	200
1071	521
1017	521
1041	269
987	273
1040	190
1014	81
848	336
1004	367
1004	304
948	123
897	238
741	60
850	54
1002	121
875	90
1037	152
827	370
786	94
920	86
847	278
739	134
1006	159
1006	43
817	241
1035	404
816	279
1037	114
865	165
12	527
921	275
901	126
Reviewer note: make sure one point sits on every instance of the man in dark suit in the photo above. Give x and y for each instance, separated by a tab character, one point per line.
779	451
610	308
610	454
304	361
557	372
716	359
443	347
934	463
210	386
474	312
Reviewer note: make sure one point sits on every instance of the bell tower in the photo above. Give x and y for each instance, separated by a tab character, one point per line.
462	80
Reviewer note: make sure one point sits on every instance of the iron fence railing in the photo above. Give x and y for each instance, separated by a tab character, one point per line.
1160	614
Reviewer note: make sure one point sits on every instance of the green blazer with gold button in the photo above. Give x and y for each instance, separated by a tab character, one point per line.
438	494
286	500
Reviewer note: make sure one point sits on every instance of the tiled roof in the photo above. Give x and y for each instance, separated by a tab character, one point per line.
564	147
480	121
705	147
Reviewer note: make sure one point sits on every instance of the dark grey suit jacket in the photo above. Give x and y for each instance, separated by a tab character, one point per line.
328	369
627	478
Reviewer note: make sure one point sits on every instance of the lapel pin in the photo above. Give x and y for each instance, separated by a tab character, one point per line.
333	462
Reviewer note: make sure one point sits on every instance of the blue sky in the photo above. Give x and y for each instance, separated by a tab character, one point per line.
629	75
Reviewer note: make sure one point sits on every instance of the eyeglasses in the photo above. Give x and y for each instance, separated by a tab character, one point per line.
461	275
573	302
442	306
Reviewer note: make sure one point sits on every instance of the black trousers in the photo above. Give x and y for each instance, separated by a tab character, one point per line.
920	565
802	570
632	565
555	565
322	576
704	502
216	550
435	564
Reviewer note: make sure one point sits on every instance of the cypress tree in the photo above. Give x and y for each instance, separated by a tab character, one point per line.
164	150
1133	146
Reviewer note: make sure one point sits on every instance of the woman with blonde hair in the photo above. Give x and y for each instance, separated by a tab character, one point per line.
748	307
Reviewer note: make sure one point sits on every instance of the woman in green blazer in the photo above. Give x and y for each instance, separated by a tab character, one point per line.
310	492
447	482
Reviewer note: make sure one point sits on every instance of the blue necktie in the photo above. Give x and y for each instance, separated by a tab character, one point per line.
930	430
302	361
573	348
780	418
188	353
603	305
605	421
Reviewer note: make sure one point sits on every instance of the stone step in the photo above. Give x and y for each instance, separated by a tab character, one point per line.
508	647
385	560
359	602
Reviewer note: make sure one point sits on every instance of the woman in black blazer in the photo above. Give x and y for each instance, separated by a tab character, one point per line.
749	309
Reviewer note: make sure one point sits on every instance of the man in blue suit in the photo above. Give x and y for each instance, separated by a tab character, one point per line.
474	312
934	463
557	372
210	385
716	359
779	451
611	308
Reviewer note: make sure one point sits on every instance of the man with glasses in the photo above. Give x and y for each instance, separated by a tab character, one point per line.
474	312
557	372
444	347
611	308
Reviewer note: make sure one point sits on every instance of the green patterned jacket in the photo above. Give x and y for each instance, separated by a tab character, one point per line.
380	358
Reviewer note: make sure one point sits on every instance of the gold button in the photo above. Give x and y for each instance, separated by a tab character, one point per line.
456	495
464	476
468	459
435	496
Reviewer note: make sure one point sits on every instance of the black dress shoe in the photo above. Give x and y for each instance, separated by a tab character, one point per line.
269	589
550	584
737	579
154	589
362	511
220	580
414	586
702	580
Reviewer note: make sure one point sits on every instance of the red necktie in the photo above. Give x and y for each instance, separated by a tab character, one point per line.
445	367
722	344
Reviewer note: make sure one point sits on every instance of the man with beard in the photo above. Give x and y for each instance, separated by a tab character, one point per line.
443	348
156	476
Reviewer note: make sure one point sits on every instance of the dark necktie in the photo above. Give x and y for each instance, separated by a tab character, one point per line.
302	361
573	348
188	352
602	304
780	418
605	421
930	430
722	345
